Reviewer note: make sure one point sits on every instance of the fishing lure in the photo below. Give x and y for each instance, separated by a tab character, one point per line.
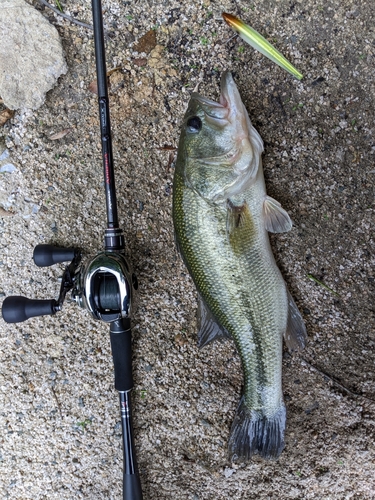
257	41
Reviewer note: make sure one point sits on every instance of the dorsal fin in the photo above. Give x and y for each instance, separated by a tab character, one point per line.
209	329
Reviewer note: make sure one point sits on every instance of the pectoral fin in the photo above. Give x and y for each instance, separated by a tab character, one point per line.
240	226
209	329
295	334
236	216
276	219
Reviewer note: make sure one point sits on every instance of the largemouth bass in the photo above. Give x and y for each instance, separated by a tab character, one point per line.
222	216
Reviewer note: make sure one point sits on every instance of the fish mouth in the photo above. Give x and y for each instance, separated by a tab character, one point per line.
230	97
216	113
229	105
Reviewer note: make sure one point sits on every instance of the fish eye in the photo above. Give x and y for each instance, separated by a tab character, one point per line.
194	124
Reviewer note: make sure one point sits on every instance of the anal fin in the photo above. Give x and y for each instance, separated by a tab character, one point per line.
276	219
295	334
209	329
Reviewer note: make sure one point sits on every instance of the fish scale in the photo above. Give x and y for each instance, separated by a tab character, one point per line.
221	231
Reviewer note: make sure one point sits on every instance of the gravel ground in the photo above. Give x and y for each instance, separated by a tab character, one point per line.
60	429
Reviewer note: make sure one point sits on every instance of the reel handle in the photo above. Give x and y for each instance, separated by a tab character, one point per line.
47	255
17	308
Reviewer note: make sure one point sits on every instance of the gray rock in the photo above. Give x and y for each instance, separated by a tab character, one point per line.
4	155
31	55
8	167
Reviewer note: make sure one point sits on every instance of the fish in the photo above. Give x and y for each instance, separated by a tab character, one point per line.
222	216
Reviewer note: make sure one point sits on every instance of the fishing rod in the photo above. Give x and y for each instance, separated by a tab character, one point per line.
105	286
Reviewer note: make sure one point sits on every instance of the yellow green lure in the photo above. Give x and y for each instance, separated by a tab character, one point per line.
259	43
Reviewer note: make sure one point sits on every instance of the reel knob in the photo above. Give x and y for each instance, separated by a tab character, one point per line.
17	308
47	255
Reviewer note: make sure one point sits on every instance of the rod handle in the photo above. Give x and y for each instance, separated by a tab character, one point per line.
121	344
17	309
47	255
132	487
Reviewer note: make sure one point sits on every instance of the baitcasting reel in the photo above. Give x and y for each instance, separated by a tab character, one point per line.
104	287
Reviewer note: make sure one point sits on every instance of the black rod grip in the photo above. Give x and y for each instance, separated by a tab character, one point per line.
17	309
47	255
121	344
132	487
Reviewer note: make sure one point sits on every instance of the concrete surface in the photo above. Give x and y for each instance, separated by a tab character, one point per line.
59	421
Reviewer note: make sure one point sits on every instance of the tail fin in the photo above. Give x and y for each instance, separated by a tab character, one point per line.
255	433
